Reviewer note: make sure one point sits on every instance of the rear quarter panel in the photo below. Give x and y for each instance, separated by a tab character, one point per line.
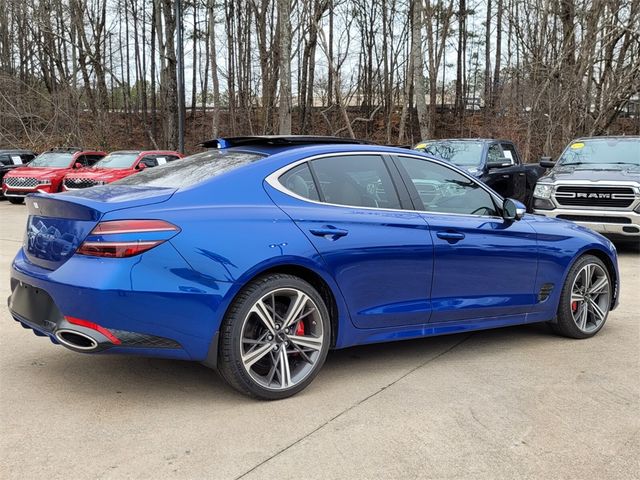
227	238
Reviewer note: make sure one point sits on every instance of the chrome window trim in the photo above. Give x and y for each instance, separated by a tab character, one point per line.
273	180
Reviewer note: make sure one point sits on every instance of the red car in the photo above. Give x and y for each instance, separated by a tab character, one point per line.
117	165
45	172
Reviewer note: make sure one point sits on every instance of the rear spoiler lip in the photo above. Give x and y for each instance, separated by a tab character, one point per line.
47	205
75	205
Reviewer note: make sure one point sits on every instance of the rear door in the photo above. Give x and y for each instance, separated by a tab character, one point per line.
484	266
350	207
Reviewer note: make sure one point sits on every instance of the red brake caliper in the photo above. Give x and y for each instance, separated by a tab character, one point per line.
300	329
574	305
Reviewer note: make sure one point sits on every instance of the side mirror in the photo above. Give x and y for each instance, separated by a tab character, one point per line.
77	165
513	209
141	166
546	162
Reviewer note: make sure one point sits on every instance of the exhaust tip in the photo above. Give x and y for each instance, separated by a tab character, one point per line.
76	340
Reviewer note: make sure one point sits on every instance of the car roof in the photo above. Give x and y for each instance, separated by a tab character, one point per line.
272	144
309	150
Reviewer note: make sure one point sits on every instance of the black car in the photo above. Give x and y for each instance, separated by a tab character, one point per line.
12	158
496	162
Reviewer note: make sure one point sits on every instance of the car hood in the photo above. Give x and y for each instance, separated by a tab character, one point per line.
38	172
596	172
104	174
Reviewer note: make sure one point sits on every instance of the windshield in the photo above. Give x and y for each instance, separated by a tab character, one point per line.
51	159
616	151
464	154
191	170
117	160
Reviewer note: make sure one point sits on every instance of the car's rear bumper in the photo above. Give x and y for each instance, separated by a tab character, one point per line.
165	317
619	223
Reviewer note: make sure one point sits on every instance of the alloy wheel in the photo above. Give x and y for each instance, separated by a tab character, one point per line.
590	297
281	338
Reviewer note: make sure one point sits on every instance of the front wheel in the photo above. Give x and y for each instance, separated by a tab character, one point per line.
585	300
16	200
275	337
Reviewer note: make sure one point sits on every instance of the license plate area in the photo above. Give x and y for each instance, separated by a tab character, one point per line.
34	305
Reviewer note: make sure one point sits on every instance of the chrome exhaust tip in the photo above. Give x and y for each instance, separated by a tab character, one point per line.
76	340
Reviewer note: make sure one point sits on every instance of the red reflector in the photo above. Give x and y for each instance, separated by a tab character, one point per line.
132	226
94	326
116	249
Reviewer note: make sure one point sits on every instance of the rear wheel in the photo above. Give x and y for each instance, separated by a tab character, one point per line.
585	300
16	200
274	338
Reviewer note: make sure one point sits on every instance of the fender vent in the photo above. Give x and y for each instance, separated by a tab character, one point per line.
545	291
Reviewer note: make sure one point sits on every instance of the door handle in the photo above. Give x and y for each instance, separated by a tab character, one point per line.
329	232
450	236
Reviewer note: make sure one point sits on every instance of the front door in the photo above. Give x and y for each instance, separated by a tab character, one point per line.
484	266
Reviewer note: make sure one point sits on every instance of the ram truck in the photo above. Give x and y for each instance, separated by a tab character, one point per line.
596	183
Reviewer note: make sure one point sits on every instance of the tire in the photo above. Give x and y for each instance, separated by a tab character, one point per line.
583	315
274	356
16	200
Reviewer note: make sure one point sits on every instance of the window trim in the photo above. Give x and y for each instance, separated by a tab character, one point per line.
273	180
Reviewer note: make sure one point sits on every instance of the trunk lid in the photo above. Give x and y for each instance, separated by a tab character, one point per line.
58	224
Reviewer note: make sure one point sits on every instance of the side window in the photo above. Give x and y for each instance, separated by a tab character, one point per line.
91	159
443	190
494	155
150	161
357	180
509	151
82	160
300	182
5	160
171	158
27	157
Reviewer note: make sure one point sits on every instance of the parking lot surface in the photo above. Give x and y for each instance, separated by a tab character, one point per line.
509	403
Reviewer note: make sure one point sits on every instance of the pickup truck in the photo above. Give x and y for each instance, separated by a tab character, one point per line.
496	162
596	183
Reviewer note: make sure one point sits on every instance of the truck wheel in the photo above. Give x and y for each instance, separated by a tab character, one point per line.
585	300
16	200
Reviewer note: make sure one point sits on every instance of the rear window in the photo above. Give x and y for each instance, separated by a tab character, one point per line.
191	170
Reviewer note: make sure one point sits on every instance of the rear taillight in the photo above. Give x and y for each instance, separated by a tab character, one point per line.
126	238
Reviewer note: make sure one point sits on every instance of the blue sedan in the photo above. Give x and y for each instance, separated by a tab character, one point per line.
260	255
